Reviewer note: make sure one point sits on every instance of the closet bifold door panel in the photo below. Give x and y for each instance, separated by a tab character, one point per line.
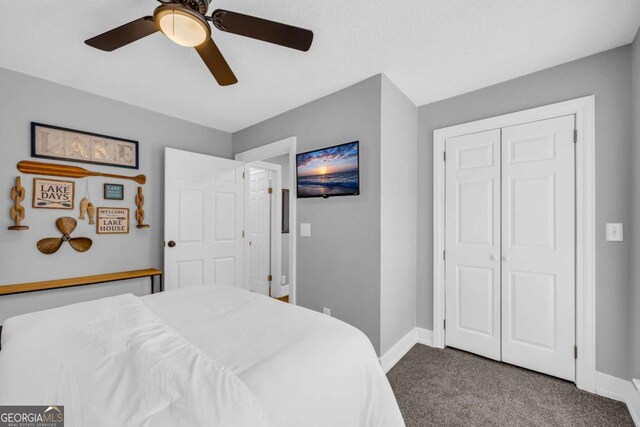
472	238
538	246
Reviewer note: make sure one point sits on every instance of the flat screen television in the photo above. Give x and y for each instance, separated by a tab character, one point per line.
329	172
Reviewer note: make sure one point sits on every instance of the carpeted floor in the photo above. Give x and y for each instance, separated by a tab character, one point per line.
454	388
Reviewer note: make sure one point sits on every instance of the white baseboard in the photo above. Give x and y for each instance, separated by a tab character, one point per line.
424	336
284	291
621	390
402	347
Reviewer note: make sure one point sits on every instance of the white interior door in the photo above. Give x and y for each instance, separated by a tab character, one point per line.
538	246
472	238
203	220
259	231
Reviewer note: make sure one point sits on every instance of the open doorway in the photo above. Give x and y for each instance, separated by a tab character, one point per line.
274	162
262	218
282	213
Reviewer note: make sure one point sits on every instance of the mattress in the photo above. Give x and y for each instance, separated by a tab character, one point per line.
206	355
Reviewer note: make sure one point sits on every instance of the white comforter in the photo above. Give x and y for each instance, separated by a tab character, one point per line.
201	356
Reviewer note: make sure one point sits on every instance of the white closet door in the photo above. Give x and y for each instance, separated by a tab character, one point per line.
473	243
538	246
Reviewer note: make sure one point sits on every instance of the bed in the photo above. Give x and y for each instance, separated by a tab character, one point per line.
206	355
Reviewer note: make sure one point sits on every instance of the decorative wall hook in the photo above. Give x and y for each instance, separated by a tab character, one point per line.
17	210
140	210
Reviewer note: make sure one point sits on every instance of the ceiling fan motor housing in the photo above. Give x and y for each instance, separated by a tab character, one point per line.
200	6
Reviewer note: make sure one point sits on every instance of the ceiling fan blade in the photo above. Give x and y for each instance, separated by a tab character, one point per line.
49	245
123	35
216	63
262	29
81	244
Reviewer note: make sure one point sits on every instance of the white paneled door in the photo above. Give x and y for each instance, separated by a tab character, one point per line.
510	245
259	230
204	201
473	243
538	246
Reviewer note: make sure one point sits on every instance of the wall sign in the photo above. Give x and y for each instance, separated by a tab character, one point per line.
53	194
114	192
112	221
53	142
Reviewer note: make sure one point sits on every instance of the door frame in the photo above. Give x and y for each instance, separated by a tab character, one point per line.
584	111
265	152
276	220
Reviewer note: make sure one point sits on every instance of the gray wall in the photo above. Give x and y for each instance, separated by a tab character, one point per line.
339	265
25	99
608	76
635	291
398	187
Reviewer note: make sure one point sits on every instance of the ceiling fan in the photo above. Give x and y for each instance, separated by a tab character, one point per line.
185	22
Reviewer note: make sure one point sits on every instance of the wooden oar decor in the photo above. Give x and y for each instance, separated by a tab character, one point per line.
52	169
17	210
65	225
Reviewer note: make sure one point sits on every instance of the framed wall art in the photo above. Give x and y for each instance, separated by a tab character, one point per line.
53	194
114	192
53	142
112	221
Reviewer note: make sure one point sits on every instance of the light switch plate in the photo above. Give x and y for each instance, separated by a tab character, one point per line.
283	280
614	232
305	230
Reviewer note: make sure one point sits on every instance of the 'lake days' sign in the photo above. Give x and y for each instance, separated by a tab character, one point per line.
53	194
112	221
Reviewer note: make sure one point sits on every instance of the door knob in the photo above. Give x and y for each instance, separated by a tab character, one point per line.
171	243
494	257
506	258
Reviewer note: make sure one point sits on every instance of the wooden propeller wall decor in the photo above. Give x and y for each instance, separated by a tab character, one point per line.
65	225
186	23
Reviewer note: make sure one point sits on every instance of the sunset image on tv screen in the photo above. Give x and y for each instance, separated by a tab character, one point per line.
331	171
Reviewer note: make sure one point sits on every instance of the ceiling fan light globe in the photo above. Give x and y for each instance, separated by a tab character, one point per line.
182	25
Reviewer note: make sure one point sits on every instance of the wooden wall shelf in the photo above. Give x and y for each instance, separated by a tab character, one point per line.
81	281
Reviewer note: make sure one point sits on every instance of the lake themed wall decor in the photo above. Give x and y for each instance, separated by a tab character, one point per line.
113	192
53	142
53	194
112	221
17	210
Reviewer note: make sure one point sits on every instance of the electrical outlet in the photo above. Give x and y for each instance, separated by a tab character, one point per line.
326	311
283	280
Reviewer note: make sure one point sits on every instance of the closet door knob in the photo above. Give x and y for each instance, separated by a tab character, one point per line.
494	257
506	258
171	243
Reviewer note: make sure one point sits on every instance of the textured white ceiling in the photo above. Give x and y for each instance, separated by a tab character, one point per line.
431	49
